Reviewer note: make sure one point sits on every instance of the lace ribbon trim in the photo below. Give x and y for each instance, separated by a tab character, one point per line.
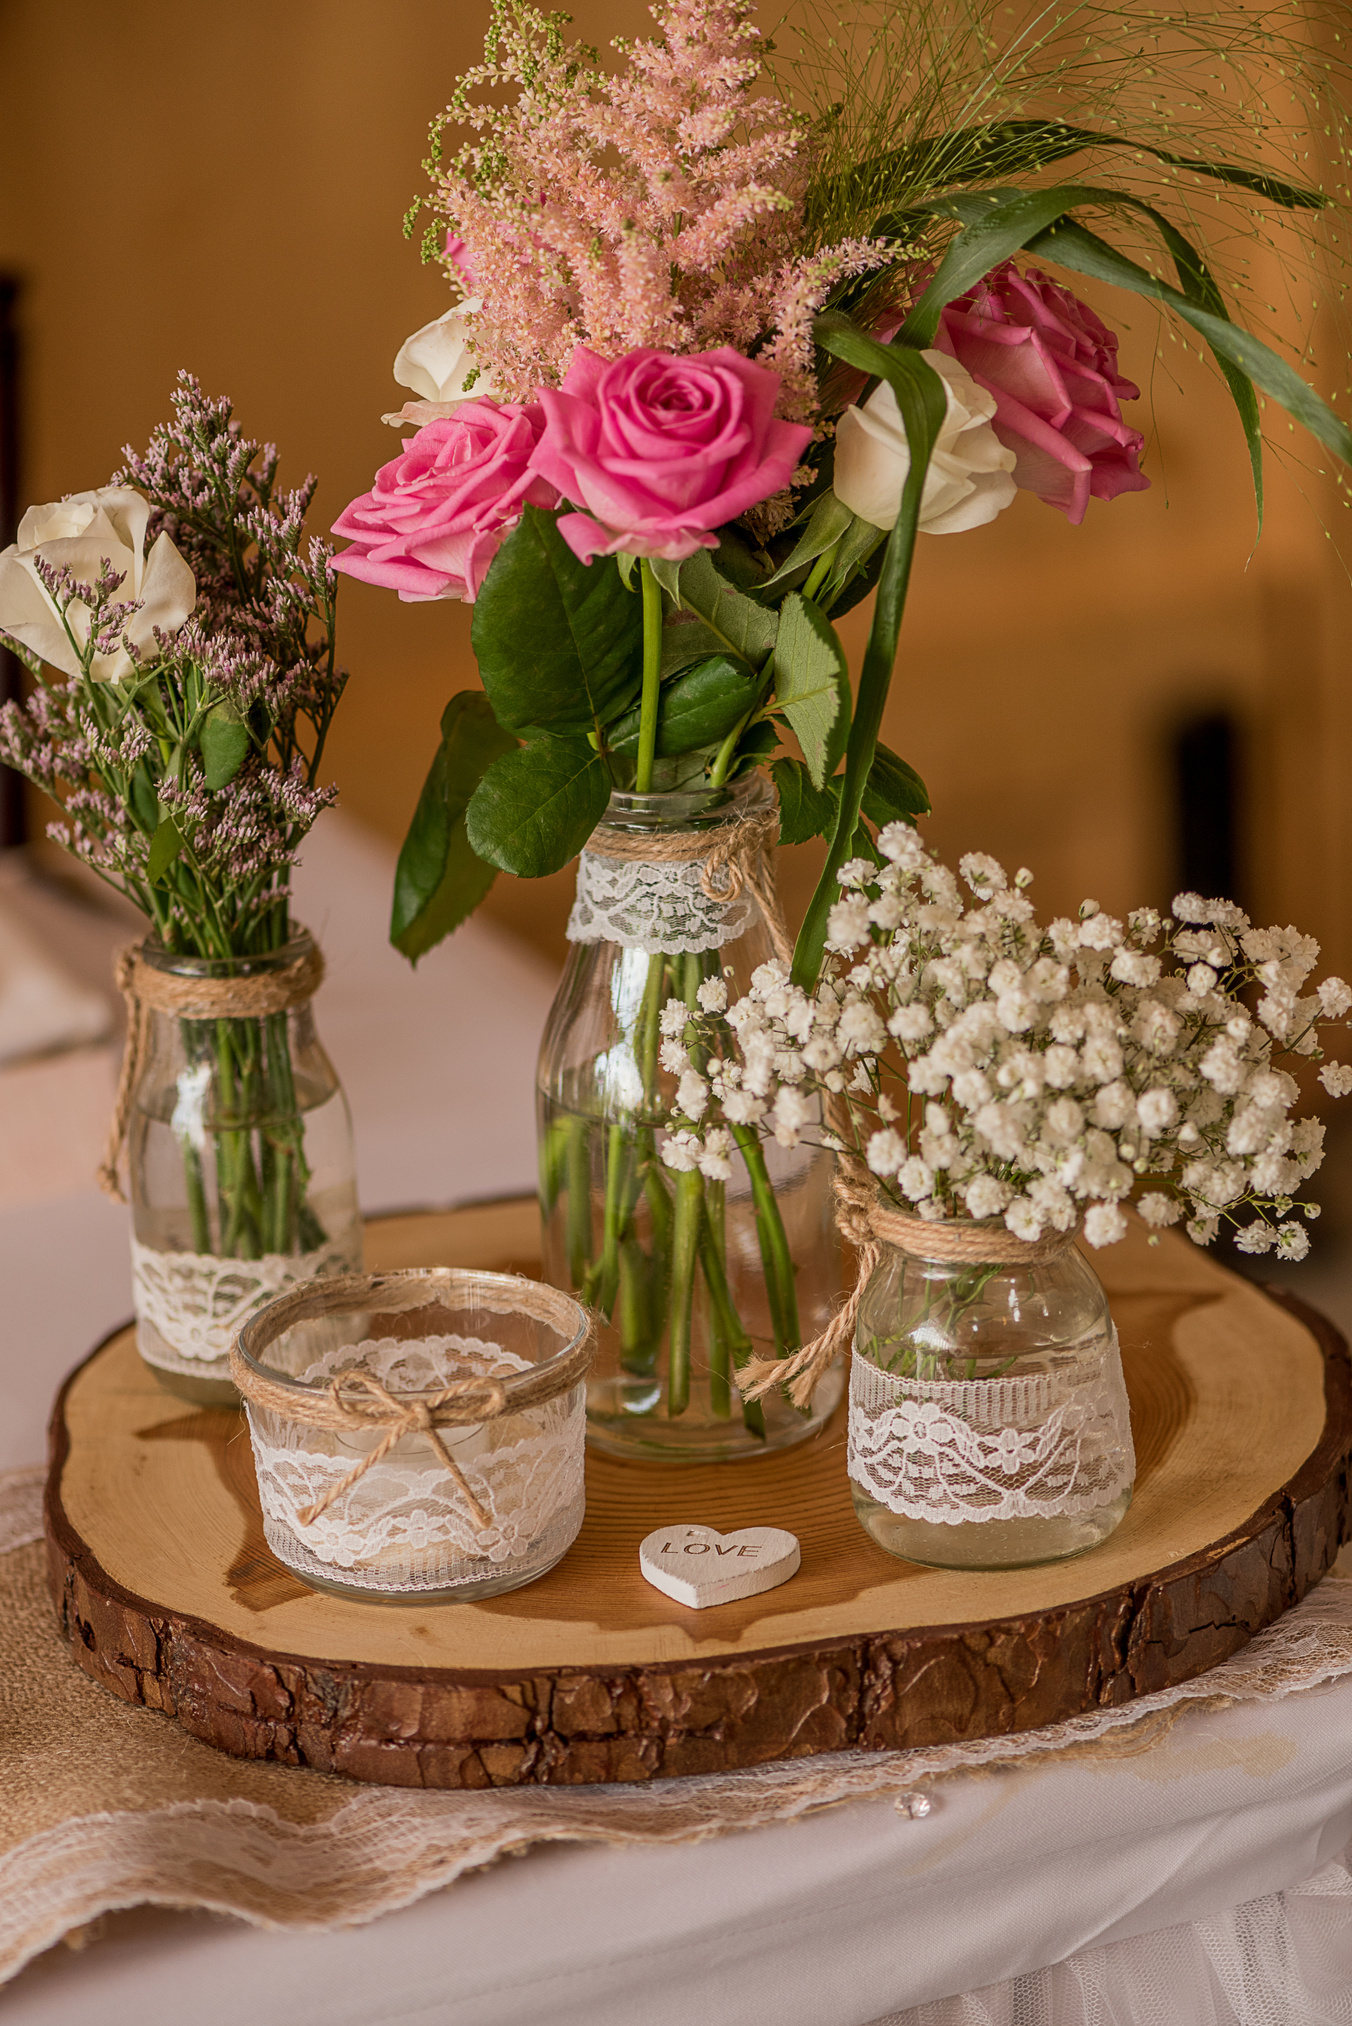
1046	1445
190	1304
659	908
402	1526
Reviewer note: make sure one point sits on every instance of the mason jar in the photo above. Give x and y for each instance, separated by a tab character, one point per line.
689	1276
241	1166
989	1425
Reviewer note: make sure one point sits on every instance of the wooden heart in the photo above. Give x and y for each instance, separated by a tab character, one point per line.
699	1567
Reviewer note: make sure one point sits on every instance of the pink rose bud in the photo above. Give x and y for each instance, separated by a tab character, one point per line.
660	449
439	512
1052	367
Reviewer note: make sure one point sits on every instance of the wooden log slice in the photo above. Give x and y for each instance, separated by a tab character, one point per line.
1242	1410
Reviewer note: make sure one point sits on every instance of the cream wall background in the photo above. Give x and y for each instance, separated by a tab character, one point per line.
222	188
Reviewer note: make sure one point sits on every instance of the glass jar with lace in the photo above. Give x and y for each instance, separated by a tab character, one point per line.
418	1435
241	1168
989	1425
693	1266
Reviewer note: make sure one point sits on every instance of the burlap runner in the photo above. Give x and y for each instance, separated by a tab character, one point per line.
105	1806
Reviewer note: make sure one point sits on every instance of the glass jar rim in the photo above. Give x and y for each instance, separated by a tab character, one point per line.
1041	1251
680	808
351	1293
259	963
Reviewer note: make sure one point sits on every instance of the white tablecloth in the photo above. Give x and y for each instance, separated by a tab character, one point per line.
841	1919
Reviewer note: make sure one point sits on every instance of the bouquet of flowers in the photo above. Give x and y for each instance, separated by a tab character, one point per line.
719	352
978	1065
180	633
726	338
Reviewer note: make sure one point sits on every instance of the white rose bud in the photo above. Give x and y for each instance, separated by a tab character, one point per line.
436	362
969	478
81	534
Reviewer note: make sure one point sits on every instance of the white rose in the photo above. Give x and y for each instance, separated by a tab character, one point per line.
968	482
80	534
435	362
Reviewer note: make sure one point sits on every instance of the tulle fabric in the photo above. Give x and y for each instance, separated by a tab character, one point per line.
1284	1960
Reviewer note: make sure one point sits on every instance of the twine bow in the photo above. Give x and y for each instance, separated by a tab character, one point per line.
741	853
363	1402
146	989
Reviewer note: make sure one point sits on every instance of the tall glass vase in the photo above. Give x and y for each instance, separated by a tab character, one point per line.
690	1275
241	1162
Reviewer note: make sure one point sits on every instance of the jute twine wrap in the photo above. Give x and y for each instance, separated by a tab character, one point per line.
147	990
869	1224
357	1399
738	856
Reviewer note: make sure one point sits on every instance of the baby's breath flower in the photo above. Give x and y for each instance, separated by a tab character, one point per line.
712	996
692	1094
1056	1066
885	1153
1104	1224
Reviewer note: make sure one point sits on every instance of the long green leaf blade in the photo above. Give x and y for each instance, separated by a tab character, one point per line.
1021	147
1072	245
923	401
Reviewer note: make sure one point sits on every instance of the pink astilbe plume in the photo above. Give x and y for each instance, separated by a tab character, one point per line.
660	207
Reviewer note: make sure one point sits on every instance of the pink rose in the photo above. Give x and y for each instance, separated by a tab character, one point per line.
438	513
661	449
1052	367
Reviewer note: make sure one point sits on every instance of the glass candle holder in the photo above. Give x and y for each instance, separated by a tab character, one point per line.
417	1435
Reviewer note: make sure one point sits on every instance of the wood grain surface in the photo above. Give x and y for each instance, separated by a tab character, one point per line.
168	1594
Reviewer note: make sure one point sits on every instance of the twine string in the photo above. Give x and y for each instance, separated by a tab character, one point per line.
364	1402
146	990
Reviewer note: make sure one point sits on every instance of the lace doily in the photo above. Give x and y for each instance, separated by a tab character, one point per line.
402	1526
1037	1446
659	908
190	1304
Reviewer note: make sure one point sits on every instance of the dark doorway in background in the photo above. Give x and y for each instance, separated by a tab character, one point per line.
1208	801
12	825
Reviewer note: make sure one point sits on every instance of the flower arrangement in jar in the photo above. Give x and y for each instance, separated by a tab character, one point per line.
996	1089
732	325
180	633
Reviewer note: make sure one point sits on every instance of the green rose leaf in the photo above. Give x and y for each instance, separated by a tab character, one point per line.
698	709
805	811
440	880
559	643
739	626
535	809
224	742
893	791
812	685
